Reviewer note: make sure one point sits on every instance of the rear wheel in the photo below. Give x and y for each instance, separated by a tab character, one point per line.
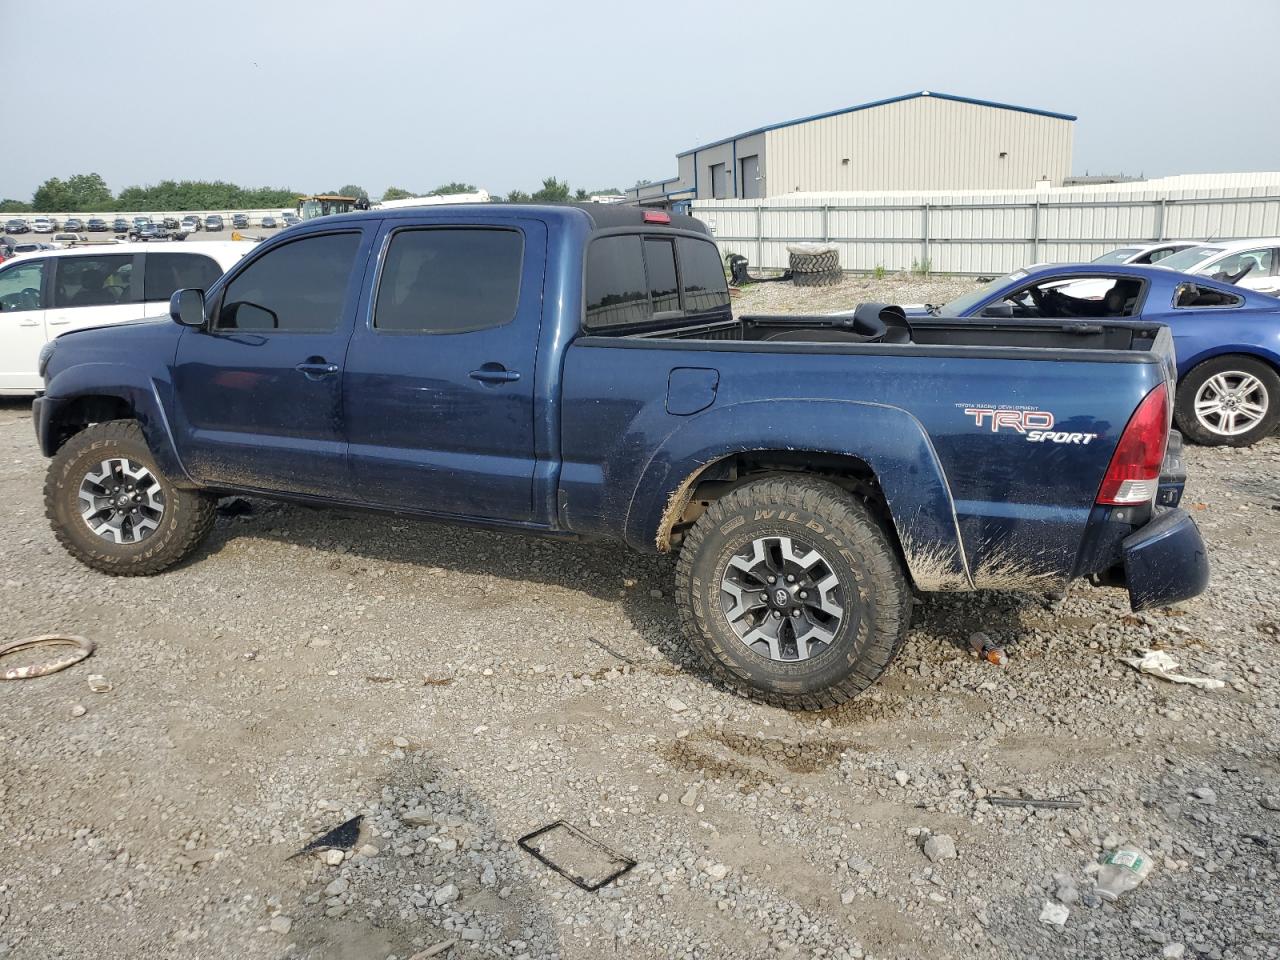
789	590
112	508
1228	401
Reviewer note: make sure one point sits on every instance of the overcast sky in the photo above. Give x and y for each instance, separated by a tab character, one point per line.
319	94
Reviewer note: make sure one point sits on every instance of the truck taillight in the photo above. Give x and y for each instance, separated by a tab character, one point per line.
656	216
1134	473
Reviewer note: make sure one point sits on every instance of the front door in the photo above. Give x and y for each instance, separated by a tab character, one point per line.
22	330
259	393
439	395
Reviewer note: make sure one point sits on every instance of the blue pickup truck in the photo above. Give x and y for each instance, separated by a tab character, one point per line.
576	371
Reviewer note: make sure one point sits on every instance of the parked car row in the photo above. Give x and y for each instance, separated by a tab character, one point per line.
189	223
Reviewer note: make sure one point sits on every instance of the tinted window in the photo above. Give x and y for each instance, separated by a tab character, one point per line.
20	286
617	292
299	287
660	259
100	281
702	276
167	272
1192	295
450	281
1187	259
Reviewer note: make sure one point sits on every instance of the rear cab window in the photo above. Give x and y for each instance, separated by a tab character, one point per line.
642	278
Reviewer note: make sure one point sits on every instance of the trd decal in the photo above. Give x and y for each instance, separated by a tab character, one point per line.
1035	425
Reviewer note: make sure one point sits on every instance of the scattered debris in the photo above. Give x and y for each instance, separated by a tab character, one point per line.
430	681
677	706
81	648
78	711
592	865
435	949
99	684
1160	664
984	648
1055	913
380	679
1050	803
342	837
1124	868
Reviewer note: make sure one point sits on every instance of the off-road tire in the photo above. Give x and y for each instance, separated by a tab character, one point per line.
829	279
829	519
187	518
1193	429
814	262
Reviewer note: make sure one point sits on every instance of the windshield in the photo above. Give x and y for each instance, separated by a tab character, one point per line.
966	302
1117	256
1186	260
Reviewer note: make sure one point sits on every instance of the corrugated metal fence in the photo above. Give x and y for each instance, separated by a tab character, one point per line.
993	233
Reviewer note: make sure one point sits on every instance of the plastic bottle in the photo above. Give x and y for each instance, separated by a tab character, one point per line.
1123	870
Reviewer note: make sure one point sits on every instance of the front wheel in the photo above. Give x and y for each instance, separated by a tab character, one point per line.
112	508
789	590
1228	401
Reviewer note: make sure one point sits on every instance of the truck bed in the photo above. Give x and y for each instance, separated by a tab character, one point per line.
1115	335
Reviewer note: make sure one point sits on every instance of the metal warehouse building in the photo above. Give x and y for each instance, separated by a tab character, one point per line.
920	141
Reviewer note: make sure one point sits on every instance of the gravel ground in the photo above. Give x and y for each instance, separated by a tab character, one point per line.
786	297
462	688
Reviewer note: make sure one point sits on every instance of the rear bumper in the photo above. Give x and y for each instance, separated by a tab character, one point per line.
1164	561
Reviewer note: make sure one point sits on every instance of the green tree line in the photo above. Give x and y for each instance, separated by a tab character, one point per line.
89	193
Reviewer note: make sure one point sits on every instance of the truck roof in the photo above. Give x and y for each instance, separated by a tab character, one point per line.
602	215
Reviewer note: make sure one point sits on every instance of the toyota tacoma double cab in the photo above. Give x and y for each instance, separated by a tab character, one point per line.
576	371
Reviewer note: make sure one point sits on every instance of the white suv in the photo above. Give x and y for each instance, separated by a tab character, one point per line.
50	292
42	225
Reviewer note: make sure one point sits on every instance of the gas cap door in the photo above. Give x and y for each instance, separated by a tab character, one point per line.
691	389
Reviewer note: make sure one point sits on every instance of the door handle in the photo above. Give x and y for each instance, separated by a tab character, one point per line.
58	323
316	368
29	323
494	373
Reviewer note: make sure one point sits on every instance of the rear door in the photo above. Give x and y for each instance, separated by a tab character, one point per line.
259	393
93	290
164	272
23	293
439	396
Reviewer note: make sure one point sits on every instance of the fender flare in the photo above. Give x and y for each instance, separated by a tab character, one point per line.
134	388
888	439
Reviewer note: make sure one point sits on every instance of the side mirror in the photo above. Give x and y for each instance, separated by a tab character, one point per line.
1002	311
186	307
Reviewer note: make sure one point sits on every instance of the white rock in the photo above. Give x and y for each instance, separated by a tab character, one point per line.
1173	951
401	742
677	706
418	817
281	925
717	871
848	897
446	894
337	888
333	857
690	796
902	777
939	846
78	711
1055	913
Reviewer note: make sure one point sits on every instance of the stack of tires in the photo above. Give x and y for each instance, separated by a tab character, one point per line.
814	264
